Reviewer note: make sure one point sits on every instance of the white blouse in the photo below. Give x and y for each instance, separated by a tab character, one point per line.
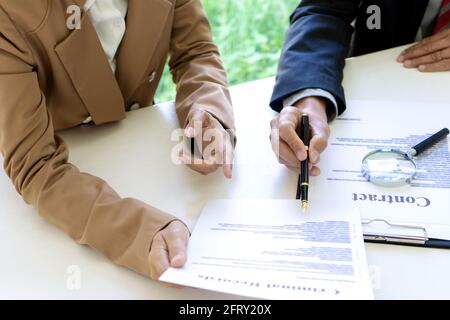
108	19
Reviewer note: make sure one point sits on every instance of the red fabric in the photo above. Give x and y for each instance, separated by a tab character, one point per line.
443	21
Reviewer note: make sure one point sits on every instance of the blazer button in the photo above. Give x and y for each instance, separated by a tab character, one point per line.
152	76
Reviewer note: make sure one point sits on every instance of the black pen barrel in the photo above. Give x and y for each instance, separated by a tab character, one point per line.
425	144
299	192
304	165
303	178
304	184
304	132
304	194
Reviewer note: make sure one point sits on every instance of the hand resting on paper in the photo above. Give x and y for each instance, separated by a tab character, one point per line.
169	249
432	54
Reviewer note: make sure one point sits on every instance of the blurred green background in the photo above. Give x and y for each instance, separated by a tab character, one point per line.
249	34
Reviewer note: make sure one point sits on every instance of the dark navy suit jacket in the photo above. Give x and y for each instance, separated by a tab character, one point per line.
319	40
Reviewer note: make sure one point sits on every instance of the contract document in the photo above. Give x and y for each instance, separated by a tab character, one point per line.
271	249
422	207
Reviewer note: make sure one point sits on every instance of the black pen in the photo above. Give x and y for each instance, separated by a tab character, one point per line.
303	178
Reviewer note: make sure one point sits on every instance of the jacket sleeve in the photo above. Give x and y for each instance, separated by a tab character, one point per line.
36	160
196	66
315	49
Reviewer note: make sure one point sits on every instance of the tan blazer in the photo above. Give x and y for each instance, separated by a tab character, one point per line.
53	78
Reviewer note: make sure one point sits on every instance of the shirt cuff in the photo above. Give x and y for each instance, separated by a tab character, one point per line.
332	108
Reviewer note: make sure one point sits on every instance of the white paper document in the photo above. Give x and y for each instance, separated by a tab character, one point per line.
422	207
271	249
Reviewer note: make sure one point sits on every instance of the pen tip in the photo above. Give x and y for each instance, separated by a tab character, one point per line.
305	206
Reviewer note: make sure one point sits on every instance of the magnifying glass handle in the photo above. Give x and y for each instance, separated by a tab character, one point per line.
425	144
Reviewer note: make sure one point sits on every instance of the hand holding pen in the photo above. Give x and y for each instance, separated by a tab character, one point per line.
286	143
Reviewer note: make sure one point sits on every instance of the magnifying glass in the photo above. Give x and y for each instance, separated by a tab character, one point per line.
393	168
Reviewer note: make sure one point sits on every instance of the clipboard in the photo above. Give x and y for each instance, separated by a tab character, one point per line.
382	231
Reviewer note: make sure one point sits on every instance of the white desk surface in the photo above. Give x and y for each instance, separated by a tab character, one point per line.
134	157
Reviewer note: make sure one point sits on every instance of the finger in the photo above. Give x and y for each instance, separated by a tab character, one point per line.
187	157
199	120
294	169
315	171
443	65
274	123
316	158
281	148
213	144
317	145
204	168
287	155
228	157
176	237
219	151
319	141
288	164
434	43
288	123
199	123
275	137
436	56
186	154
201	167
158	257
412	50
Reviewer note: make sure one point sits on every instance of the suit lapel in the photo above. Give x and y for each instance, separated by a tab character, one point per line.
84	60
146	21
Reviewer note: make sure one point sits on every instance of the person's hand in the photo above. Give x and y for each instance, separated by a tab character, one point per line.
432	54
212	140
168	249
287	145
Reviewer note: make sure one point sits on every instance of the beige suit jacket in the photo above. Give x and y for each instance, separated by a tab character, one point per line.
53	78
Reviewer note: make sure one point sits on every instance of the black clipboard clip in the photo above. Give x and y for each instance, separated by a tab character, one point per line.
380	230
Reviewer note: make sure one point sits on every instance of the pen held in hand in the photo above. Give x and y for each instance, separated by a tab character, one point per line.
303	131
